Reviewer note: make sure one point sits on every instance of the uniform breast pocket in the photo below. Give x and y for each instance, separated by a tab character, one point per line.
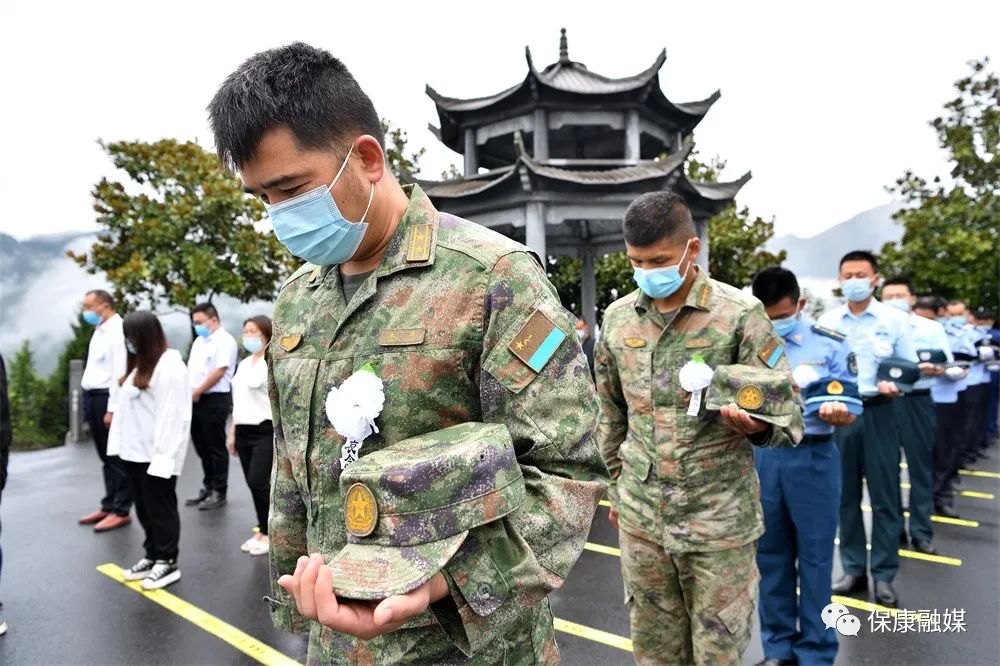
635	367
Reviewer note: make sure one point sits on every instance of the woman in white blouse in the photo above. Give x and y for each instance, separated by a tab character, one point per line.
150	433
252	434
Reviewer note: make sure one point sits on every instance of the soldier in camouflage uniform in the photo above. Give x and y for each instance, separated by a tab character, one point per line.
684	494
459	323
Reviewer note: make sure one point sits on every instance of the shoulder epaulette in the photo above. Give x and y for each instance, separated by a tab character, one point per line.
829	332
303	270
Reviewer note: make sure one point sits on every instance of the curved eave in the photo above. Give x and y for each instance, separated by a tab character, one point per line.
710	197
644	171
591	82
467	187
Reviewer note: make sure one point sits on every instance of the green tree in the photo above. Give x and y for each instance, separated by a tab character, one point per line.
405	166
55	417
951	232
28	402
736	238
182	231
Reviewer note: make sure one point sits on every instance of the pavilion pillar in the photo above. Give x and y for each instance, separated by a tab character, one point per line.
632	140
471	161
588	289
540	149
534	230
701	226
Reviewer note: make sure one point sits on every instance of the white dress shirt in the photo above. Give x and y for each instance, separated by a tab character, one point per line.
154	425
251	404
107	359
208	354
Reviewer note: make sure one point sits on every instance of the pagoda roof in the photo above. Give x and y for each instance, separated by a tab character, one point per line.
650	175
572	83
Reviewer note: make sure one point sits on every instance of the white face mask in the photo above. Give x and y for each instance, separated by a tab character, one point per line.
581	334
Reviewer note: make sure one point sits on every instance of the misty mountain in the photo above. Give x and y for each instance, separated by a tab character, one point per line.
41	293
817	256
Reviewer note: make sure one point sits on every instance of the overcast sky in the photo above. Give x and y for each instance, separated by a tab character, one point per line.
825	102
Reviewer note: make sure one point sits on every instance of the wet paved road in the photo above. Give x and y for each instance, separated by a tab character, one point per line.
62	610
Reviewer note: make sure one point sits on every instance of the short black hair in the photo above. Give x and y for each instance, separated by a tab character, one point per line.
655	216
206	309
102	297
773	284
860	255
928	303
900	280
983	314
297	86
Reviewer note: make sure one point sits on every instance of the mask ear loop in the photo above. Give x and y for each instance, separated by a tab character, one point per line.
371	194
690	261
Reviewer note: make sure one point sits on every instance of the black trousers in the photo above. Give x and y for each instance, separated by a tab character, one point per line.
156	507
917	427
255	447
116	492
975	435
947	445
208	431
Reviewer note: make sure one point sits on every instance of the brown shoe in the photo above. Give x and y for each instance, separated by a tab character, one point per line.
112	522
95	517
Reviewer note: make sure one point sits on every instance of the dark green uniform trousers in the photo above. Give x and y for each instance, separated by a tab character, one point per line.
917	427
869	448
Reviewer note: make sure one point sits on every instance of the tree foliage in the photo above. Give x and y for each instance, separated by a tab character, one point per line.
28	401
951	232
187	233
404	165
736	238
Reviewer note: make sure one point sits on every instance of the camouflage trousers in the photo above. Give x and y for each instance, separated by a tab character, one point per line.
689	608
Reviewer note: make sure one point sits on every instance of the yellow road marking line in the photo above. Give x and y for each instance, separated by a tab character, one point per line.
977	495
976	472
859	604
940	559
224	631
964	493
598	548
938	519
605	503
595	635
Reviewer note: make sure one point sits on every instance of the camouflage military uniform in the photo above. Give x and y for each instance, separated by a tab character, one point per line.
441	320
685	489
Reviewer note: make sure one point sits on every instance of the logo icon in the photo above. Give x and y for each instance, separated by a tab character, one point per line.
750	397
360	511
836	616
835	388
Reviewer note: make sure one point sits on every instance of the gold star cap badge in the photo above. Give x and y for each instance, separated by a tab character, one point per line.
835	388
360	510
750	397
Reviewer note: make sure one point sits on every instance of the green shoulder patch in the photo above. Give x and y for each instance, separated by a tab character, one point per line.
771	353
703	296
537	341
829	332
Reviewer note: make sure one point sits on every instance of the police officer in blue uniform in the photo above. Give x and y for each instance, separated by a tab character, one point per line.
800	486
917	415
870	447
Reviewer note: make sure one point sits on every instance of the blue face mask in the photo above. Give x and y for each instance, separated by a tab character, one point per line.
253	344
784	327
312	227
202	331
957	320
900	304
91	317
130	348
856	289
662	282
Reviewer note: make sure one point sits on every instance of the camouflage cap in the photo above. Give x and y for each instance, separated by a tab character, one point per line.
408	507
900	371
766	394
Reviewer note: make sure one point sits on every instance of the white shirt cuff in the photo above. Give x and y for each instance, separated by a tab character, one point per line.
161	466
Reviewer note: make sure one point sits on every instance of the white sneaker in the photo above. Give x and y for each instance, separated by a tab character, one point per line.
245	546
164	573
3	628
259	547
139	570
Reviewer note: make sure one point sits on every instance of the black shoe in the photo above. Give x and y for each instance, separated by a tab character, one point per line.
925	547
777	662
903	539
946	511
194	501
214	500
849	584
885	595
